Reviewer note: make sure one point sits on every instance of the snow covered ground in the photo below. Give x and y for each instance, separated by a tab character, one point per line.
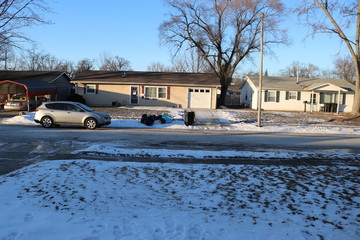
83	199
216	120
94	199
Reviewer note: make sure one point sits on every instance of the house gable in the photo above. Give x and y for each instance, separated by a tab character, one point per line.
326	87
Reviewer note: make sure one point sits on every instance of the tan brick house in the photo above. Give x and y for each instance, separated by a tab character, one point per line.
185	90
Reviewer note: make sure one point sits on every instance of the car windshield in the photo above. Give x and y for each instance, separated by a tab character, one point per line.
86	108
18	98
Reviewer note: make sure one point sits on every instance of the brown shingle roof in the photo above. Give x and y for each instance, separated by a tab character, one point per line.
30	75
148	78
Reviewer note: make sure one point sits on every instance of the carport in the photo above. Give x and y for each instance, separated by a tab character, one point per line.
30	88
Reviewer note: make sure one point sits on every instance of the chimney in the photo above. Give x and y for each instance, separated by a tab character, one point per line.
297	75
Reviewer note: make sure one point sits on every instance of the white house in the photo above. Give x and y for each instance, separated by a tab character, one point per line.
298	94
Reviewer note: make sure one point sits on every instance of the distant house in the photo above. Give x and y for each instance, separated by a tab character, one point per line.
55	85
292	94
185	90
232	98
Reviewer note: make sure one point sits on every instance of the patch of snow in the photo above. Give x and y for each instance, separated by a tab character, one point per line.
81	199
26	119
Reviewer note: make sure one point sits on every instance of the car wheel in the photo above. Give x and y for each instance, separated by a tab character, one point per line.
91	123
46	122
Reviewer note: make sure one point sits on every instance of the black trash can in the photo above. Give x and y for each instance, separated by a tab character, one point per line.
327	107
189	118
334	107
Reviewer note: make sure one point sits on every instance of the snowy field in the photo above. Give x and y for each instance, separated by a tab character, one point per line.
112	200
100	200
222	120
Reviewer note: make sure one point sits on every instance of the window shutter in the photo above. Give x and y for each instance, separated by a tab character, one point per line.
321	97
287	95
168	92
97	89
298	96
266	96
142	94
85	86
344	98
277	96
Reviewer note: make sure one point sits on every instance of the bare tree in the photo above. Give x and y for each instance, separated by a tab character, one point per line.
224	32
158	67
18	14
345	69
40	61
340	18
83	65
191	61
301	70
110	63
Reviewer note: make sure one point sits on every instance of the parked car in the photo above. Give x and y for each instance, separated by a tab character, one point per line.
58	113
19	102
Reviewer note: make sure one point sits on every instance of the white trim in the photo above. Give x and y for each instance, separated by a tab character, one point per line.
138	94
336	88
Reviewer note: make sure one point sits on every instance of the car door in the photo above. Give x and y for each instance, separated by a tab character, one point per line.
75	114
57	112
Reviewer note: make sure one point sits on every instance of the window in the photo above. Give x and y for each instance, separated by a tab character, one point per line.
313	98
150	92
332	98
91	89
271	96
56	106
161	92
155	92
292	95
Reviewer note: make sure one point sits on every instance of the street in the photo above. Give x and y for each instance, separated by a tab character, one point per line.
25	145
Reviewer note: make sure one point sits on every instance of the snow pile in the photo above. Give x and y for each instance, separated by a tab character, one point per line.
113	200
24	119
109	149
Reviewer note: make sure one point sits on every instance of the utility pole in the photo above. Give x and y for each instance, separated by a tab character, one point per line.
261	67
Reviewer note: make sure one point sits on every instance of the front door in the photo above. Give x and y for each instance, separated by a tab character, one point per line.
134	95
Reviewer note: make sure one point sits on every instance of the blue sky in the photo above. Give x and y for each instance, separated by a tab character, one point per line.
129	29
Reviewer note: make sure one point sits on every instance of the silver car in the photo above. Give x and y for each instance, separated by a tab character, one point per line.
19	102
58	113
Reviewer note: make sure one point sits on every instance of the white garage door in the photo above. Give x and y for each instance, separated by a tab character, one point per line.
199	98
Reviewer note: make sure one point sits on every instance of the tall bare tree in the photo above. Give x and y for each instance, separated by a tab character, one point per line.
301	70
345	69
340	18
191	61
110	63
224	32
158	67
17	14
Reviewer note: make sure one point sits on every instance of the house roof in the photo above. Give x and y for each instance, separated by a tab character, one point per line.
290	83
31	88
31	75
148	78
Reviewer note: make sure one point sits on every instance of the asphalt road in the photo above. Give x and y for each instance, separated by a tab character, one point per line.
24	145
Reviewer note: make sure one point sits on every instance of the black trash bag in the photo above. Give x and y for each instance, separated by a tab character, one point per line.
143	117
147	120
